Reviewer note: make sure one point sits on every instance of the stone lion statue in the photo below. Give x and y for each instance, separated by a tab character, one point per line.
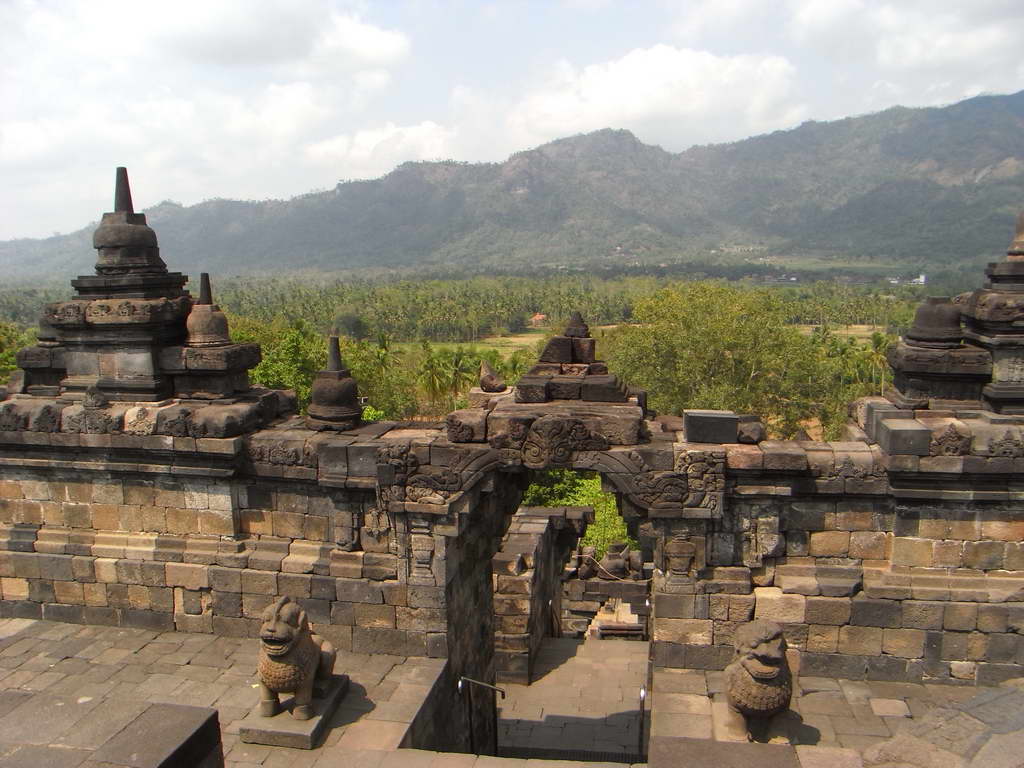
292	659
758	681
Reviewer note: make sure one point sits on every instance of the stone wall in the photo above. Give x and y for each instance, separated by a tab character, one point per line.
583	598
528	574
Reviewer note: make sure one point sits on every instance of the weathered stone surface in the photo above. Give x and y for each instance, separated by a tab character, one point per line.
283	731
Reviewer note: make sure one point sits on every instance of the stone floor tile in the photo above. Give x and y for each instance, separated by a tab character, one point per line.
860	726
890	707
39	756
825	703
253	753
858	742
828	757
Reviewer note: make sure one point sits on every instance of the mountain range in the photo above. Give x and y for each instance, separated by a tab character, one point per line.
906	188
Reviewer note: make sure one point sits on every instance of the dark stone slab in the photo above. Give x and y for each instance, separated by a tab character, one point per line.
674	751
710	426
164	736
904	436
283	730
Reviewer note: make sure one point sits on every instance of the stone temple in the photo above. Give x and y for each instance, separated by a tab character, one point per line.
148	490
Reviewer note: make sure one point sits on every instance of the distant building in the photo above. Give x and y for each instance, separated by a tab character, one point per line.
537	320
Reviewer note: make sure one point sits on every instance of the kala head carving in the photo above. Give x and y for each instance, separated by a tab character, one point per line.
292	659
759	683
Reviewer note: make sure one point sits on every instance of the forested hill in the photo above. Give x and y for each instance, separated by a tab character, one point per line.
907	188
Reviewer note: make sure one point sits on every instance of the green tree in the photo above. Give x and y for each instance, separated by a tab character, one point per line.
564	487
712	345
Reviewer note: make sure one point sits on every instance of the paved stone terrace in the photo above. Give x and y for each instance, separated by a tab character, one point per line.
842	723
835	723
584	698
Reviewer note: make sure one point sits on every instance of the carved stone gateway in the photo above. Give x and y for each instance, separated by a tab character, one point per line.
183	498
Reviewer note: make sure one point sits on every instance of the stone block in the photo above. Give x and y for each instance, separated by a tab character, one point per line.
912	552
905	643
992	618
860	641
954	646
604	389
374	615
532	389
922	614
984	555
565	387
873	612
829	543
258	582
783	455
961	617
828	610
868	545
710	426
583	349
822	638
903	436
772	604
282	730
557	350
354	591
187	575
683	631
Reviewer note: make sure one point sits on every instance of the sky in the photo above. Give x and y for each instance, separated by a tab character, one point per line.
258	99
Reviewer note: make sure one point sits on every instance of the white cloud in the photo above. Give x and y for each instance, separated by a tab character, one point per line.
666	94
253	100
375	151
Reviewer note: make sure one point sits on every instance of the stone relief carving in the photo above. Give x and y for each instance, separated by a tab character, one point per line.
11	419
401	477
950	443
285	454
421	543
848	469
1007	447
140	423
458	432
549	441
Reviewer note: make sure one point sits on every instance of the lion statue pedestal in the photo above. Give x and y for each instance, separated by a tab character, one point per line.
293	660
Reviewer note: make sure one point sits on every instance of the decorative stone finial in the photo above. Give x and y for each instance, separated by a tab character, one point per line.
207	325
205	291
125	242
335	396
122	192
1016	249
577	327
490	381
333	353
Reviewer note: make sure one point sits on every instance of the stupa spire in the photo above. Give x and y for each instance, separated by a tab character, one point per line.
122	192
333	353
205	291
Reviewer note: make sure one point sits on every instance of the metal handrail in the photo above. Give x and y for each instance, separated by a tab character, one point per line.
640	737
479	682
469	709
